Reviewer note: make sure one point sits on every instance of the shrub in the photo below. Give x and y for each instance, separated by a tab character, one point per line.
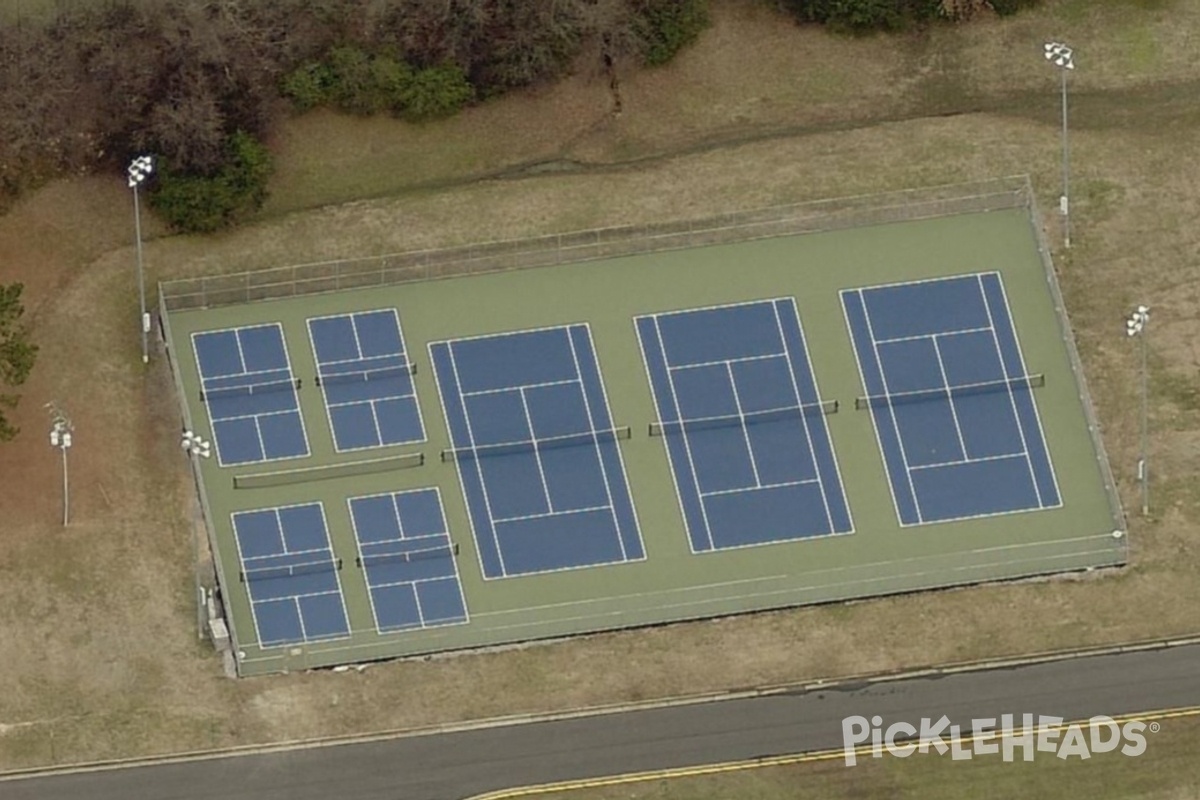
435	92
665	27
205	203
865	15
1007	8
390	81
353	87
309	85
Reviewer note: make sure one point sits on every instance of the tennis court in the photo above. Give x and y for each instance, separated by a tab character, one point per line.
291	574
743	422
536	450
247	382
366	381
950	398
404	547
668	431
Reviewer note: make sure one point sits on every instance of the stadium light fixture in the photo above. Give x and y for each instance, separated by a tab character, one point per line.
139	170
60	437
196	448
1135	327
1062	56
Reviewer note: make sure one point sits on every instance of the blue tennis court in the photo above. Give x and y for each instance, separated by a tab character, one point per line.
248	385
291	575
404	548
744	425
950	398
366	379
537	451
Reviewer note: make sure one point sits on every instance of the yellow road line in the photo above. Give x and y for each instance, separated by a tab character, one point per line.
788	760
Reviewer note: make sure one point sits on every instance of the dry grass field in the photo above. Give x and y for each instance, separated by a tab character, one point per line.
101	659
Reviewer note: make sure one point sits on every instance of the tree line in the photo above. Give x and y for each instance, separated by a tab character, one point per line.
200	83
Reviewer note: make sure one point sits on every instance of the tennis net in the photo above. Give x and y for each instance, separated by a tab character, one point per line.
291	570
965	390
441	551
363	376
747	419
249	390
549	443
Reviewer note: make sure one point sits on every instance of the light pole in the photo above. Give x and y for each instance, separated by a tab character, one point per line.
60	437
196	448
1061	56
140	169
1135	327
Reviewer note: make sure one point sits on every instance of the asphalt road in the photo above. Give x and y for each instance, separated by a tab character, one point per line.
456	765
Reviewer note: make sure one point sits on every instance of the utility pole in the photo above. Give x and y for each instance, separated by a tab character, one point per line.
1062	57
196	449
1135	327
60	437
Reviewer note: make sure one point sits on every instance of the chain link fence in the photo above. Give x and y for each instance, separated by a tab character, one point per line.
596	244
1116	510
606	243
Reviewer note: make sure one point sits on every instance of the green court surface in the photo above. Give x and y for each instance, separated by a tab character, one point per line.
672	582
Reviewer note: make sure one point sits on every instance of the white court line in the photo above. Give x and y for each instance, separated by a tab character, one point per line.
891	409
687	446
1037	414
462	481
737	402
375	422
262	444
286	551
812	450
358	548
357	340
237	338
637	527
544	514
1012	400
502	390
962	443
716	307
361	357
337	575
287	359
537	456
958	332
412	378
507	334
637	331
727	361
312	344
487	503
227	375
587	408
780	485
372	400
965	276
965	461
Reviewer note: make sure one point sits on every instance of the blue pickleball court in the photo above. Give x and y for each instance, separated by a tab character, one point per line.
537	451
744	424
366	379
291	574
951	400
404	547
250	392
